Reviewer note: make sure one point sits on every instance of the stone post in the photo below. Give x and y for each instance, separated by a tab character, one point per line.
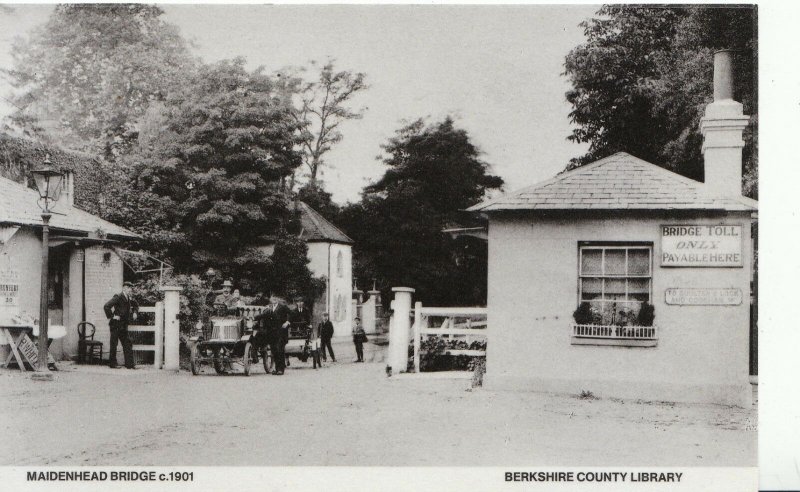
369	314
399	331
172	341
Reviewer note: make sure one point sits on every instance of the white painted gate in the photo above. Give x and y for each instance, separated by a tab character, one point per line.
151	334
450	328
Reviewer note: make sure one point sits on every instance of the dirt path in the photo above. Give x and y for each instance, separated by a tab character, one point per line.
347	414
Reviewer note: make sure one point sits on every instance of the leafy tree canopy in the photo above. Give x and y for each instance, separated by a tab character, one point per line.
434	172
643	77
207	178
315	196
86	76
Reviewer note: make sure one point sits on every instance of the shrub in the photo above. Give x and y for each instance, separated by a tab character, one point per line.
193	297
583	315
432	357
478	365
647	313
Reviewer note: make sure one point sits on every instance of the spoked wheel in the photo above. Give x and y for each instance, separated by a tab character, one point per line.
246	358
267	360
193	360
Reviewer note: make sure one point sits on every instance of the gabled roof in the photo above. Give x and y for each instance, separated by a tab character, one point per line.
618	182
315	228
19	206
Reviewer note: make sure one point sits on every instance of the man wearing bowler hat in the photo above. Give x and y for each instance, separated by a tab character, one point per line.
120	311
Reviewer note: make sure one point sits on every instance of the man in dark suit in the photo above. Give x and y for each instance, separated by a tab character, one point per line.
301	316
275	321
120	311
300	319
326	333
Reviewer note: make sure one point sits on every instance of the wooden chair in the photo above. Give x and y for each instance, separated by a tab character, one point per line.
89	349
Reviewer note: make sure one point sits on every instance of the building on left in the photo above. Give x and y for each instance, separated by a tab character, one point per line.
84	270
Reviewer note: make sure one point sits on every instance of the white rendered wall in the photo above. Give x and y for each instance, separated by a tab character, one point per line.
702	351
341	290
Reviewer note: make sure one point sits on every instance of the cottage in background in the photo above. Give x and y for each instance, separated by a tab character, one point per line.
330	254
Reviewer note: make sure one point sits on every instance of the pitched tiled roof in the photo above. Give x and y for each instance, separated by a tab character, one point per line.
316	228
19	206
618	182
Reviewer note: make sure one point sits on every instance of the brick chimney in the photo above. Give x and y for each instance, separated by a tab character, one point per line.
722	128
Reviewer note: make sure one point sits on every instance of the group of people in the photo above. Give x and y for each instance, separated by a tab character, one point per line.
273	322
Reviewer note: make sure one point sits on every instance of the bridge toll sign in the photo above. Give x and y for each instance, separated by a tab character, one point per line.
701	246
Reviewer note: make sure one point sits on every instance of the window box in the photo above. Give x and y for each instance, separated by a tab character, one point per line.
625	336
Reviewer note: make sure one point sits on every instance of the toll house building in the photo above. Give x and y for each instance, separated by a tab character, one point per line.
619	234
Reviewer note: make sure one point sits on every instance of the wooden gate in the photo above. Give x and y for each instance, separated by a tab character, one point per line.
148	338
450	328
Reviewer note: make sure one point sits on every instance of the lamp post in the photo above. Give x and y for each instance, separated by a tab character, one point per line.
48	182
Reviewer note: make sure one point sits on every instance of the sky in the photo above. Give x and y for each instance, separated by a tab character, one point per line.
496	69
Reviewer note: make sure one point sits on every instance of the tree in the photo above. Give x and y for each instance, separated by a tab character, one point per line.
434	172
85	77
288	272
315	196
643	77
323	108
205	185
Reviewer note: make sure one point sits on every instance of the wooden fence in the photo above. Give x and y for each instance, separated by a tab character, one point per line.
449	328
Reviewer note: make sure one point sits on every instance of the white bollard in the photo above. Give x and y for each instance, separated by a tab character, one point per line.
399	331
172	341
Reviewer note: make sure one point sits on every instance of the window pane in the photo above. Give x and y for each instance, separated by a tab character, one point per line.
615	288
615	262
639	286
590	288
638	262
590	261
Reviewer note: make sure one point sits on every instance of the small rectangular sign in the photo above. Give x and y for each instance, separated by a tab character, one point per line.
9	288
701	246
704	297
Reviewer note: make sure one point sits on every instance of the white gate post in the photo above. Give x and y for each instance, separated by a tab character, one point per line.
417	334
172	305
158	334
368	311
399	330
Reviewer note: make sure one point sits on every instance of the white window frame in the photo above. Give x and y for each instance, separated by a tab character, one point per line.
603	276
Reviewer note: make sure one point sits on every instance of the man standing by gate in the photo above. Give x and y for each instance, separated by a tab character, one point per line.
120	311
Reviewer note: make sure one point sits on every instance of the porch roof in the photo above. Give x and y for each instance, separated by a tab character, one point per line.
19	206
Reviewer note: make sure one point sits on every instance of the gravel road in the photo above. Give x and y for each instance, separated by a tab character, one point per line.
346	414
